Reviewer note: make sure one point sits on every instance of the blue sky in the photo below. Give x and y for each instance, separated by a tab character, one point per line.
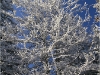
92	12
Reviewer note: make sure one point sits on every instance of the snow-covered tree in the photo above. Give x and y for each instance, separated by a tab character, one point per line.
51	39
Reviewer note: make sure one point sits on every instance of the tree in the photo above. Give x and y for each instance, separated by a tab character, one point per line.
54	40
